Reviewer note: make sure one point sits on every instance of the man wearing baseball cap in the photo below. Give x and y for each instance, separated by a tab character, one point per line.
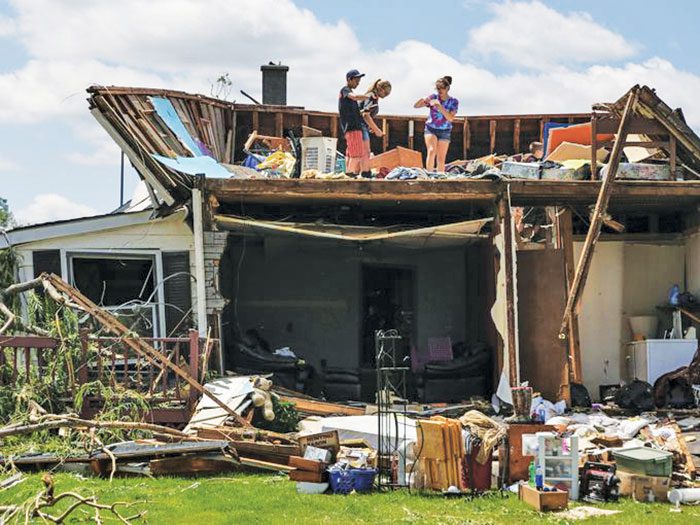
351	122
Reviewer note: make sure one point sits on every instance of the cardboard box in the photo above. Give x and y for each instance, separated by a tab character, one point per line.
396	157
543	501
640	487
308	465
327	440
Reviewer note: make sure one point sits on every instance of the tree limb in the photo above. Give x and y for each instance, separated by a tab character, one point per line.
74	422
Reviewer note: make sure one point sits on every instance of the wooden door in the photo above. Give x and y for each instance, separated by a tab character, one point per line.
541	302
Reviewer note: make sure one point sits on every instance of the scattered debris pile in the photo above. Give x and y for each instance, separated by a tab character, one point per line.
551	455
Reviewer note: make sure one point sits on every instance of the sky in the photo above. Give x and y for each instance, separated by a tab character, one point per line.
505	56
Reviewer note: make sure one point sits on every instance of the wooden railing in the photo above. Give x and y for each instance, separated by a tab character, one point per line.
20	356
110	361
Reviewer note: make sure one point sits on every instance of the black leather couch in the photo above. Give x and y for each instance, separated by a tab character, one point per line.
468	374
252	355
341	384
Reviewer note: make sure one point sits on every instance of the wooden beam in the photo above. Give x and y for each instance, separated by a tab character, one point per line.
466	138
543	121
234	126
321	408
672	156
566	243
649	144
507	258
411	133
305	119
334	126
279	124
256	121
584	263
516	135
385	138
669	195
492	135
594	147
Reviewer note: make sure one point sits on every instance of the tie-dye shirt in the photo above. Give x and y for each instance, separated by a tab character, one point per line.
437	120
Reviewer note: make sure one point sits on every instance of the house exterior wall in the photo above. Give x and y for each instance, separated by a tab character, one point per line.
692	261
625	279
150	238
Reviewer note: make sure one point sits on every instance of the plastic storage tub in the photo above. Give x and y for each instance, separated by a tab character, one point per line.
644	460
345	481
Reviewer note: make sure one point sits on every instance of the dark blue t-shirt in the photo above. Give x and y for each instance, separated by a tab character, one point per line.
350	117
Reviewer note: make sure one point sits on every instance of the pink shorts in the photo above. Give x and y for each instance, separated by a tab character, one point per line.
355	148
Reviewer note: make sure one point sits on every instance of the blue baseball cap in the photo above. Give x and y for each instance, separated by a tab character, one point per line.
353	73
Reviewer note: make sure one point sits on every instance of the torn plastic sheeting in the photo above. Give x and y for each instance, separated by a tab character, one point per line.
202	165
499	314
135	449
233	391
168	114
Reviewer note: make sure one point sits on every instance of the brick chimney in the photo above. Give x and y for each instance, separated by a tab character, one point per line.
274	84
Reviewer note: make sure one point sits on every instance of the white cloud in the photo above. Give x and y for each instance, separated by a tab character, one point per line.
47	207
103	155
44	89
532	35
168	35
98	148
184	44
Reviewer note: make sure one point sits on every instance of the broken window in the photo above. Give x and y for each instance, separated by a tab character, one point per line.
124	285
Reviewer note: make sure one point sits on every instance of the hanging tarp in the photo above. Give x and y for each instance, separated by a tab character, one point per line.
444	235
195	166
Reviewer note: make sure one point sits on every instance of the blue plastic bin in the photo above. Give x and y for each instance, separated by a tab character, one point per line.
345	481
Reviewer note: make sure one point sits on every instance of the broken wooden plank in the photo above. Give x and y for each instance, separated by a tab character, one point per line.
508	259
265	465
601	207
566	243
322	408
683	448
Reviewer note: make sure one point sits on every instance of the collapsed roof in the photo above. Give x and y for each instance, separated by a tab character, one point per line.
160	130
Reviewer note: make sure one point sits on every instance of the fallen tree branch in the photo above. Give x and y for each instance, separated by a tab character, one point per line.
74	422
15	320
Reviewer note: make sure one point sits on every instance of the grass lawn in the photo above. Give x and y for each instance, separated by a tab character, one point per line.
269	499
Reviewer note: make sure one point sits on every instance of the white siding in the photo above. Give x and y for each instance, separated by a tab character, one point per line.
158	235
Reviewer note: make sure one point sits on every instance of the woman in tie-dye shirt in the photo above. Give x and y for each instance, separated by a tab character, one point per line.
438	127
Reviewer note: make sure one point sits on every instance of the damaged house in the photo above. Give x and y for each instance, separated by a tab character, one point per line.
473	268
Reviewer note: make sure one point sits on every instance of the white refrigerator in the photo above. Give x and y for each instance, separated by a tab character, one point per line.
650	359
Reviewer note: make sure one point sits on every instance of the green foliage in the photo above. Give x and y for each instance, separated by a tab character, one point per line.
9	266
221	87
286	417
6	218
